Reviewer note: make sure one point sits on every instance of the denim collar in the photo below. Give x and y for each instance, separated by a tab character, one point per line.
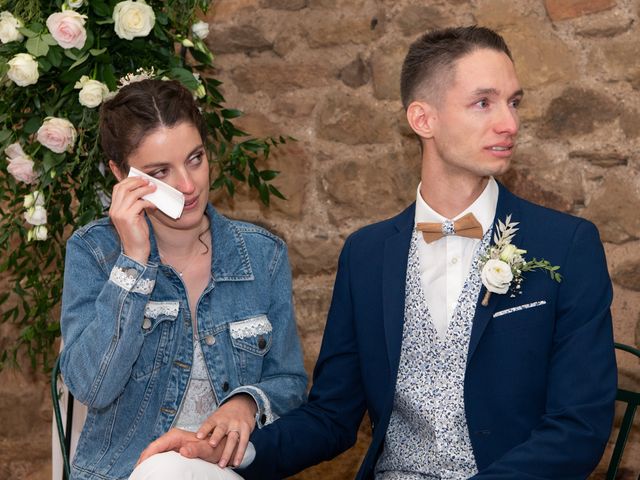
230	257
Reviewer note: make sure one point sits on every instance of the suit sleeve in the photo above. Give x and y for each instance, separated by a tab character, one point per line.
581	386
327	425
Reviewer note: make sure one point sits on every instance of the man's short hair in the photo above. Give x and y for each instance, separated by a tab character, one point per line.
429	64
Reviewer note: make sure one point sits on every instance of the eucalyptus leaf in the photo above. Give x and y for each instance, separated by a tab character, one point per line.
36	46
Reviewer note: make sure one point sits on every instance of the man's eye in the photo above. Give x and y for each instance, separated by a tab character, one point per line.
515	103
484	103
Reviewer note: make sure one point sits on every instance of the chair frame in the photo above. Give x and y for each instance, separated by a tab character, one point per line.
64	431
632	399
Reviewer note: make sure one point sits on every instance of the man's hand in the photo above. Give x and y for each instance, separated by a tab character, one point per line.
186	444
234	420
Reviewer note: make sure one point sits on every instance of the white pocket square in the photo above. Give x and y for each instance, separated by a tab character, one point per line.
519	307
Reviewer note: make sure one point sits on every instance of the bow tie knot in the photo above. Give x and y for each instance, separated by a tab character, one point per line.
466	226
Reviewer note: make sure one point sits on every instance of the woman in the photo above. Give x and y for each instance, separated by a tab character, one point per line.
184	323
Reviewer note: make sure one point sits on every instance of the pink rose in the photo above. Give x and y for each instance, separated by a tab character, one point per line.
20	164
57	134
67	28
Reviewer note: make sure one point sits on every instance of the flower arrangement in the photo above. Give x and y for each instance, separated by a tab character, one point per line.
59	61
502	265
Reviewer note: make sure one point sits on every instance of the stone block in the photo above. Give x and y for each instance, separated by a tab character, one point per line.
236	39
527	185
628	275
274	77
342	26
284	4
415	19
577	111
606	159
630	123
565	9
351	120
370	187
614	208
386	65
314	254
224	10
295	104
616	59
355	74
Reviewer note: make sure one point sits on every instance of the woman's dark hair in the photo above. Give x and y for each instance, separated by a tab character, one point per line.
138	109
431	59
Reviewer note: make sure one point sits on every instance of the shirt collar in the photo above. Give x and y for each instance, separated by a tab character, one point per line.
483	208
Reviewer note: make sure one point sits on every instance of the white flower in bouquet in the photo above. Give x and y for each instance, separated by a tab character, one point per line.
67	28
75	3
200	29
37	233
92	92
57	134
133	19
34	199
36	215
9	28
20	164
23	70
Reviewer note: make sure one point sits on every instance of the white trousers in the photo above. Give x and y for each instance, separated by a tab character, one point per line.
173	466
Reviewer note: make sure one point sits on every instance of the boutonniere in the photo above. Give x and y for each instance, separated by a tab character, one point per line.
502	264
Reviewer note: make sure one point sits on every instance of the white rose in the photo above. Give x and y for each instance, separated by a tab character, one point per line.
9	28
496	276
133	19
36	215
38	233
57	134
35	198
200	29
92	92
67	28
23	69
75	3
20	164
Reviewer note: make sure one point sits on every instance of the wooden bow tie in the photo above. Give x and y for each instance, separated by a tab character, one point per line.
466	226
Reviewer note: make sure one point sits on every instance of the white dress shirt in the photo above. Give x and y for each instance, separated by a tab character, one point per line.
445	263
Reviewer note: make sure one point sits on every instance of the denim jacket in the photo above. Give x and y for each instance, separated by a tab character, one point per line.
128	337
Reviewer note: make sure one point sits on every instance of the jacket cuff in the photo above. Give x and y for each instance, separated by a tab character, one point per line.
132	276
264	415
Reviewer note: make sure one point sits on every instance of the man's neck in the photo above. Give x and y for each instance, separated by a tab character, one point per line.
449	196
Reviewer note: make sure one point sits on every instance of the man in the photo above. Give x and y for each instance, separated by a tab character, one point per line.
457	383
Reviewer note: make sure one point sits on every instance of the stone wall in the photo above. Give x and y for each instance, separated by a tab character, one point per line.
326	72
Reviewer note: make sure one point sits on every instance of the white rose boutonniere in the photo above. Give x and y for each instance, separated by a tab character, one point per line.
502	265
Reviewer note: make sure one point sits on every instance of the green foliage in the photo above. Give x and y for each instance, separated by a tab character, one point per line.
74	183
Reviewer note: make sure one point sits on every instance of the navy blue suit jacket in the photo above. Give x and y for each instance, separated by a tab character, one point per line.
540	382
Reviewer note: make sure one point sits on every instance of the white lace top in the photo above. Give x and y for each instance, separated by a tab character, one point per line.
199	400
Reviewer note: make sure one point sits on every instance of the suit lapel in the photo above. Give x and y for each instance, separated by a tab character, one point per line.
394	273
507	204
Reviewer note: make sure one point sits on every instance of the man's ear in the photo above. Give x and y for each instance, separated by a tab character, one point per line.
421	117
116	170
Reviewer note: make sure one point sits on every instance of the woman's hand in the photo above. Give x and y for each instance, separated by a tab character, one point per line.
235	419
127	215
183	442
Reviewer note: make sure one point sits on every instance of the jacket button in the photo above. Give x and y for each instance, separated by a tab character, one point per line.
146	324
261	342
225	386
209	340
132	272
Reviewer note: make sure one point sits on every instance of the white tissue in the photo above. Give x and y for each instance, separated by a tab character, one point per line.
168	200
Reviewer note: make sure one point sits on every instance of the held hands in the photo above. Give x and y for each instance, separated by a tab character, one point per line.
234	420
185	443
126	212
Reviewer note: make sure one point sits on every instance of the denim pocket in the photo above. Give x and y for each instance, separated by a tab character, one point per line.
156	328
251	339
